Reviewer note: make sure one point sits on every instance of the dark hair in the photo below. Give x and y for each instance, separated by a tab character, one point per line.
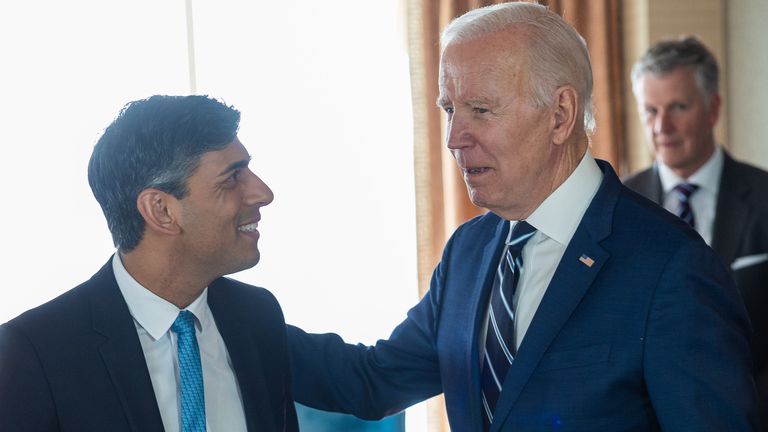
670	54
154	143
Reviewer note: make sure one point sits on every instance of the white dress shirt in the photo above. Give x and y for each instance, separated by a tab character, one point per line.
153	316
703	202
555	220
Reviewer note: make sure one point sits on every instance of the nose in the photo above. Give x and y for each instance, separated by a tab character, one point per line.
457	134
662	123
257	193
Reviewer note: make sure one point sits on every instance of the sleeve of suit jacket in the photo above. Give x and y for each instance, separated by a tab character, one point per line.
25	399
696	363
371	382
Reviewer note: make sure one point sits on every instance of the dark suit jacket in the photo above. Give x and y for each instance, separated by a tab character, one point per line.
740	230
635	342
76	363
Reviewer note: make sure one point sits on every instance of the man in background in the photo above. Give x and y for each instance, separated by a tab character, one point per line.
560	309
158	339
676	87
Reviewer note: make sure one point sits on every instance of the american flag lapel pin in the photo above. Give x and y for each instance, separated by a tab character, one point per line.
587	261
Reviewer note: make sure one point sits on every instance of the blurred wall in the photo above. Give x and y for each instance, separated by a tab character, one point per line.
747	62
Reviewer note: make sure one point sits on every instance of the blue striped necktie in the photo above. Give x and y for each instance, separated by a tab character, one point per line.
500	340
683	192
192	400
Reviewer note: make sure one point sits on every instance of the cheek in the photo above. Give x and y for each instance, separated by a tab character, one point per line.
691	127
648	127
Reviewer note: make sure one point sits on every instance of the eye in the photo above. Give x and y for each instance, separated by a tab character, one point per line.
233	177
480	110
679	107
650	111
448	109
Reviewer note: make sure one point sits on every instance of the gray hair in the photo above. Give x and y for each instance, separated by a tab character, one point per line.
558	54
668	55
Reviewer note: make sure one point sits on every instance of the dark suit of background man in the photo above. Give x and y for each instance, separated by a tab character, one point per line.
612	324
173	181
676	86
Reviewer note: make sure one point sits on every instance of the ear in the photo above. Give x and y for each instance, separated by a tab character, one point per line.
714	109
155	207
566	111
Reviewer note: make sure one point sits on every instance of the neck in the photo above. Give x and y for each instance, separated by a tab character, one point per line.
157	270
567	163
564	164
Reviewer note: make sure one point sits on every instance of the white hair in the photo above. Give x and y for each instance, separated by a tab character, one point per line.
556	52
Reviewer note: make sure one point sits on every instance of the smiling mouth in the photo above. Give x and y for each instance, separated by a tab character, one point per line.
252	227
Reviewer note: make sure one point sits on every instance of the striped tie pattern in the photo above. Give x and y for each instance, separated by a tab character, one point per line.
683	192
192	403
499	341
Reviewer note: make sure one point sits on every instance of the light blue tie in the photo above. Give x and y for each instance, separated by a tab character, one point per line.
191	374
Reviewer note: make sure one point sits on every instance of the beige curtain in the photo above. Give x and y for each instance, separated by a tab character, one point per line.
441	198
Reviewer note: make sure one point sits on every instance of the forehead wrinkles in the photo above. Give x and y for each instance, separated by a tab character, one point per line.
492	62
484	81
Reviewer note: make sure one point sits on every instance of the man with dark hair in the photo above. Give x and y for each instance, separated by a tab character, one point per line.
574	304
676	86
158	339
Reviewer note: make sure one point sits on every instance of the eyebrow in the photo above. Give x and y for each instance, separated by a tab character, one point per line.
443	102
235	166
479	101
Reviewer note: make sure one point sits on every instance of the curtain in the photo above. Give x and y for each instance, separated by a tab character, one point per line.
599	22
441	198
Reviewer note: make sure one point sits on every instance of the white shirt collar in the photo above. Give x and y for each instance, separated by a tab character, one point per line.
707	177
561	212
152	312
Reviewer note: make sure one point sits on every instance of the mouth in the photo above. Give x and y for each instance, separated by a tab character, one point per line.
249	228
475	171
667	142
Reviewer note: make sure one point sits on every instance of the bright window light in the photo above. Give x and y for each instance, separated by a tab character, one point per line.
323	89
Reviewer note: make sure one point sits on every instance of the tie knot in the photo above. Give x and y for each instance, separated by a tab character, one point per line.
685	190
184	324
521	233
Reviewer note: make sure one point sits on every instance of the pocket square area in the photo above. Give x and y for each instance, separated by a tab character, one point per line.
748	261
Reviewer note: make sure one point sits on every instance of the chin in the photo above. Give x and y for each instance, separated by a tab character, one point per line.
243	265
483	200
476	197
252	262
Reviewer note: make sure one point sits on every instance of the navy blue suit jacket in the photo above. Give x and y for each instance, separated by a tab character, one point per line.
76	363
638	341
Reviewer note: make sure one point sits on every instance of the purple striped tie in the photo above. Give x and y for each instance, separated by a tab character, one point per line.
499	340
683	192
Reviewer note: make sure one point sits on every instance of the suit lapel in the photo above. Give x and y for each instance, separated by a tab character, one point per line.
479	303
731	213
244	354
571	281
648	184
122	353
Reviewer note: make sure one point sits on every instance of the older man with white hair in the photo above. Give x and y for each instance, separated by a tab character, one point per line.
574	303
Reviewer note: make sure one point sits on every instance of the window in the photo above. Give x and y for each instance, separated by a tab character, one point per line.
324	94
